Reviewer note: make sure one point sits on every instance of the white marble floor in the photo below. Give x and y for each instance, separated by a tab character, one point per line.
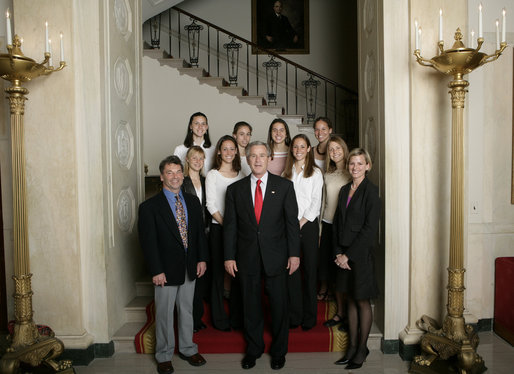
498	356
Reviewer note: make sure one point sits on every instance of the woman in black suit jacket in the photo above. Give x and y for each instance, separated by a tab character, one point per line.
194	183
356	226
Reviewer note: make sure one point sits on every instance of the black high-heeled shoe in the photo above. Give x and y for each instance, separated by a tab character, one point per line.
346	358
353	365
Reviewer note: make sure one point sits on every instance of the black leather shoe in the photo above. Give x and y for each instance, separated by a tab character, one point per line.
165	367
278	363
343	360
306	328
332	321
199	327
353	365
248	362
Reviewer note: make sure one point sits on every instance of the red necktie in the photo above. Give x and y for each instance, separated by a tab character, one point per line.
258	201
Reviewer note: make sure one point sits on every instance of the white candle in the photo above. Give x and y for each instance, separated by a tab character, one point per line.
47	47
440	24
62	49
472	39
503	25
480	31
8	23
419	35
416	33
497	34
50	63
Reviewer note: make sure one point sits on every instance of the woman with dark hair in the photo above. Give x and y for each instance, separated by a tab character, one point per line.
225	171
278	141
242	133
197	134
355	236
194	183
335	177
308	185
322	130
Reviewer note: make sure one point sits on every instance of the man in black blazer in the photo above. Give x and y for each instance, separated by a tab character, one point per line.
262	243
171	233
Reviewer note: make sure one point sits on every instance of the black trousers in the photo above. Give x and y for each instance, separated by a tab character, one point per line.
220	319
302	284
251	289
327	268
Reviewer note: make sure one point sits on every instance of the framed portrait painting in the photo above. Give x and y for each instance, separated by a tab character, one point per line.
281	26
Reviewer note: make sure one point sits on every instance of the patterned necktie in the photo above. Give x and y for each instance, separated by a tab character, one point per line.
181	220
258	201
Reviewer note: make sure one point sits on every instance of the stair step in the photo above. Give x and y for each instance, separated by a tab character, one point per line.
193	72
294	120
254	100
154	53
135	311
271	109
213	81
173	62
144	287
124	338
231	90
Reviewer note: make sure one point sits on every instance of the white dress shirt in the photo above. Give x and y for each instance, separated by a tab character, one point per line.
181	152
253	185
308	193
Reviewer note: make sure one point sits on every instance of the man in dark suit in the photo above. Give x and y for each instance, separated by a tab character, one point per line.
278	30
171	233
262	241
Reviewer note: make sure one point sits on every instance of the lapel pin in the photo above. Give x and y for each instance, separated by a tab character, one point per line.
272	191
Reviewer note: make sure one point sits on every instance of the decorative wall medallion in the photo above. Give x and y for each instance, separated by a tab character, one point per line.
123	17
126	206
369	16
370	72
124	146
370	138
123	79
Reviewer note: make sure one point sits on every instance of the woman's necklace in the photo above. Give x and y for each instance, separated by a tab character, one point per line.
353	187
319	152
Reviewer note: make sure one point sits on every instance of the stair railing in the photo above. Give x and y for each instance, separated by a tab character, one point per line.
339	103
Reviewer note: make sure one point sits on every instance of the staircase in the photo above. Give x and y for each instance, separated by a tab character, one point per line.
223	86
135	317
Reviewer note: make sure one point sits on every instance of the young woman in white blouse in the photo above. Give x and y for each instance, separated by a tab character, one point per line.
322	130
225	171
197	134
336	176
308	184
242	133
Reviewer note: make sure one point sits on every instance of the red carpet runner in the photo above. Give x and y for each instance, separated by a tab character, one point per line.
210	340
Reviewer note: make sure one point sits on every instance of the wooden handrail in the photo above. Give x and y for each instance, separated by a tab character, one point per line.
268	51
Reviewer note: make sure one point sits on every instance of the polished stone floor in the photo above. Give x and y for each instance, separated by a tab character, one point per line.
498	356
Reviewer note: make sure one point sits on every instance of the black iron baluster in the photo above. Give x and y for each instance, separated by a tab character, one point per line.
179	35
209	49
335	106
218	52
295	90
326	100
257	71
247	70
287	91
169	30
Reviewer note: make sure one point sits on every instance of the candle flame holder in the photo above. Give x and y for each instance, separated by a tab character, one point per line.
452	347
27	345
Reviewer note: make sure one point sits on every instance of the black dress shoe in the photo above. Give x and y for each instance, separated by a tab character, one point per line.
343	360
293	326
353	365
306	328
165	367
332	321
248	362
199	327
278	363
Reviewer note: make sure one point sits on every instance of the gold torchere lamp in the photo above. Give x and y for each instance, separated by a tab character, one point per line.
452	347
27	345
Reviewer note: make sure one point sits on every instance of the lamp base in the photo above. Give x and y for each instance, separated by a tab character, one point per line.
44	351
440	366
441	354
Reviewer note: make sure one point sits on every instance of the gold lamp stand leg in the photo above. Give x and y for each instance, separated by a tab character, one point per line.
452	348
27	345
